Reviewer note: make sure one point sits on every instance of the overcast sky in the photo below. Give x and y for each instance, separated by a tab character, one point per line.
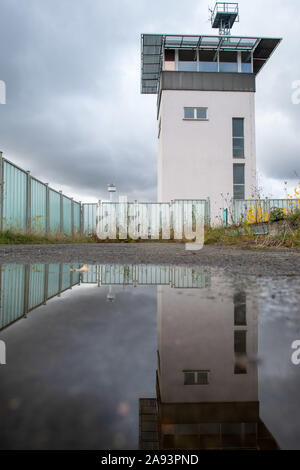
75	116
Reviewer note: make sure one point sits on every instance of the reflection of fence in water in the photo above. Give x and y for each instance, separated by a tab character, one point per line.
26	287
175	276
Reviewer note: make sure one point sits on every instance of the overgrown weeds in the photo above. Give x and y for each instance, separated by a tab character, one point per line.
18	238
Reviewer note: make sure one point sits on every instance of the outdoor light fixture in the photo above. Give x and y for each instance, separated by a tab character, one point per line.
111	188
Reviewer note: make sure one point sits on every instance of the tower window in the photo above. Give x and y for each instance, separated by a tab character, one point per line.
246	62
198	114
228	61
239	301
238	181
196	377
238	137
208	61
187	61
240	343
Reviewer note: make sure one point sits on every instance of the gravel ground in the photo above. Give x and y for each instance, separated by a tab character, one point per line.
282	262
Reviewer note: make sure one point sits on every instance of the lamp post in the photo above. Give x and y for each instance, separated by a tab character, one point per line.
111	188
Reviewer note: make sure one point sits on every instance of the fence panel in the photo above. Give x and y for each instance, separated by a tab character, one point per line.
179	219
288	205
89	213
67	215
14	197
12	293
258	210
38	206
53	280
27	204
77	217
54	211
36	285
25	287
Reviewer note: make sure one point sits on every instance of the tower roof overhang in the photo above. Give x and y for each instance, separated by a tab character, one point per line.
152	46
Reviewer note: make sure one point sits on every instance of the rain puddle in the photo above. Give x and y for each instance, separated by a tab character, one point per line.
147	357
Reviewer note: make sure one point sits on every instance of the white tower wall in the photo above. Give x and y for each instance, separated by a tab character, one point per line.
195	158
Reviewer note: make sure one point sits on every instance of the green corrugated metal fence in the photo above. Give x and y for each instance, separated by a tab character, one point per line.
29	205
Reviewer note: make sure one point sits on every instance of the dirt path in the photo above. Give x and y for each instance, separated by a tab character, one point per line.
249	262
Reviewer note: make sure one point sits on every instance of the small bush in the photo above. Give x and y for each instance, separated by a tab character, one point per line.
294	217
276	214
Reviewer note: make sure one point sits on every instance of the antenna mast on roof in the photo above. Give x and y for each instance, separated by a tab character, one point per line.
223	16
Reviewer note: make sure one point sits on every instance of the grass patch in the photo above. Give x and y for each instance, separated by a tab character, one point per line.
9	237
243	236
228	236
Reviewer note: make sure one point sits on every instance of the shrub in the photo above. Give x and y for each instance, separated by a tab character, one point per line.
294	217
276	214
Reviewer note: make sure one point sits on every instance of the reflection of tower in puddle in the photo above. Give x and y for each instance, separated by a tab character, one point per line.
207	381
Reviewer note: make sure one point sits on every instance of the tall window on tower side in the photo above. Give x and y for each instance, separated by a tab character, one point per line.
238	137
238	181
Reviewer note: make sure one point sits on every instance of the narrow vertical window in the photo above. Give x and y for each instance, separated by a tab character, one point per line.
239	300
238	181
240	352
238	137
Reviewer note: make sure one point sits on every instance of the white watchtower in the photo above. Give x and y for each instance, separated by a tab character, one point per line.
205	88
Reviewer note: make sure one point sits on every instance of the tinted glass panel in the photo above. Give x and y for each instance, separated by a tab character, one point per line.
238	147
207	56
189	378
189	113
240	342
246	58
238	192
187	66
228	62
187	56
208	66
202	378
246	68
170	55
238	174
228	67
201	113
238	127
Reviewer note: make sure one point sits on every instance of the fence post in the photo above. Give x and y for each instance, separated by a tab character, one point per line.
60	280
46	283
61	212
81	218
47	209
28	203
268	207
26	290
208	221
1	191
72	216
